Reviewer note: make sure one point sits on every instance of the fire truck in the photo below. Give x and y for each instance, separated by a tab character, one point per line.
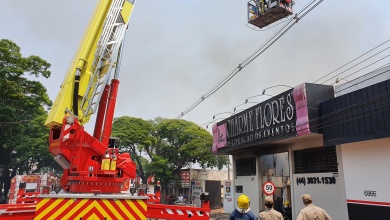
96	176
25	188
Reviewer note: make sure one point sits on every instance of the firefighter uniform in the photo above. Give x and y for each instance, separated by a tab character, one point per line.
243	211
312	212
270	213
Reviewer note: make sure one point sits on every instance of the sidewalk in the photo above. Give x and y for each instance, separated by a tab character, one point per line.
219	214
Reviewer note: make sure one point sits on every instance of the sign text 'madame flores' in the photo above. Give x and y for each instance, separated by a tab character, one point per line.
271	118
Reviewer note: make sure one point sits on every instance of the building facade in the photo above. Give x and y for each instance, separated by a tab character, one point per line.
330	142
358	121
191	183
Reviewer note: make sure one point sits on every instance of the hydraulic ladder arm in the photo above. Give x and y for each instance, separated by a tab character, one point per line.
85	86
93	62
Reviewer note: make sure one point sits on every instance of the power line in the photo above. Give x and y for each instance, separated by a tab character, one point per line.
352	112
252	57
355	65
368	65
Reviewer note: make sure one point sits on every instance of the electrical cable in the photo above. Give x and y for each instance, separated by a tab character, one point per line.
195	104
356	112
381	67
248	60
233	73
355	65
338	117
352	60
352	66
357	70
257	52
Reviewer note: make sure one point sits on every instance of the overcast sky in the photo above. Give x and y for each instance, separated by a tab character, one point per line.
175	51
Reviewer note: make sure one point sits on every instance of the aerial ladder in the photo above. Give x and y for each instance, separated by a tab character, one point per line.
96	176
90	87
94	171
262	13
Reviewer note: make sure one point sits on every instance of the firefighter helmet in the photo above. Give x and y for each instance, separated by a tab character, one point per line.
243	201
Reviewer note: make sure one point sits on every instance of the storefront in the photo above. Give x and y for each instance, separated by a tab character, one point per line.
278	151
306	140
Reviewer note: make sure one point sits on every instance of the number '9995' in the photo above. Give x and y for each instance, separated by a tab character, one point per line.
369	193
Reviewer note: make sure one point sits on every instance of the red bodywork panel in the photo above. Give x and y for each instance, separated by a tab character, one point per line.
154	211
84	153
178	212
17	211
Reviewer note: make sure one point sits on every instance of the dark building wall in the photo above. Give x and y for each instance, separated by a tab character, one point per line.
213	187
356	116
365	212
315	95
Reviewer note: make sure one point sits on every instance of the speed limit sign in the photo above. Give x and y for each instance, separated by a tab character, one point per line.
268	188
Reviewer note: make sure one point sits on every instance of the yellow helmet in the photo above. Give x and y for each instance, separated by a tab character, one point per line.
243	201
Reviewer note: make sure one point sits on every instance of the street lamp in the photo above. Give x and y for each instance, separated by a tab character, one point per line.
235	107
263	92
338	79
209	122
222	113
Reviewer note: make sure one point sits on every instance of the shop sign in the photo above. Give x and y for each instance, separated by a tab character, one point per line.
197	189
272	118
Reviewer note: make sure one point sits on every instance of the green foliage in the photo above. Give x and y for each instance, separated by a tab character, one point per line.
170	145
161	169
185	143
135	136
21	99
32	148
23	138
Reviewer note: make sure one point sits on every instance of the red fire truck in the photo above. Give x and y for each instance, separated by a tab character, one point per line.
95	173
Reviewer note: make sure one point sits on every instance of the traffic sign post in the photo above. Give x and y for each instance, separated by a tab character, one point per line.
268	188
185	179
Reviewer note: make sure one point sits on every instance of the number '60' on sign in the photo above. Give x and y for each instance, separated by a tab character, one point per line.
268	188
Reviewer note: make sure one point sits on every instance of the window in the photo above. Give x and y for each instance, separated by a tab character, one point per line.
316	160
246	166
239	189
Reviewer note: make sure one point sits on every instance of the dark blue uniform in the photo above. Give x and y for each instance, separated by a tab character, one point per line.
236	215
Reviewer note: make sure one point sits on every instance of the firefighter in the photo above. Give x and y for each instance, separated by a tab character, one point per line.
311	212
243	211
286	3
287	214
269	213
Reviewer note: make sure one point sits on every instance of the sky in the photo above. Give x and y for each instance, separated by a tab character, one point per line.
175	51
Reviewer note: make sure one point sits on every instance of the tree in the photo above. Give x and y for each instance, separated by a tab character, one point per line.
22	134
135	136
33	147
169	144
183	142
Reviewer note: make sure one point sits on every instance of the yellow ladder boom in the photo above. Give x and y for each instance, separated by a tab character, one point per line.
94	63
